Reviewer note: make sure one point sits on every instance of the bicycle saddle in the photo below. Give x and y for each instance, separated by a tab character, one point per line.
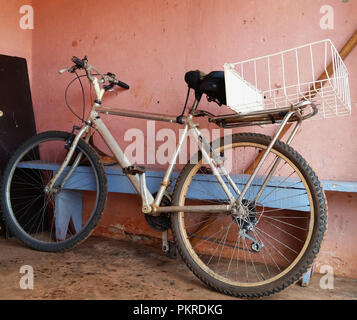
212	84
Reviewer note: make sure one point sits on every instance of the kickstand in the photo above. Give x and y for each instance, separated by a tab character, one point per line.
168	247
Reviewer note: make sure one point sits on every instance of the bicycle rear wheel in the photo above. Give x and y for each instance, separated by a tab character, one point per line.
277	232
59	219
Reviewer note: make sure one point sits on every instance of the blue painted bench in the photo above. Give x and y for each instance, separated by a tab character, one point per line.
293	193
118	182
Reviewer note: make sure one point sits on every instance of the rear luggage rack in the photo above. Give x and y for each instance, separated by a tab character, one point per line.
302	111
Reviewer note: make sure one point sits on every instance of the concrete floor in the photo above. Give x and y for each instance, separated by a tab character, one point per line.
103	268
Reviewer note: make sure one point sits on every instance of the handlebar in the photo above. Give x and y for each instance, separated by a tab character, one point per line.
122	84
83	64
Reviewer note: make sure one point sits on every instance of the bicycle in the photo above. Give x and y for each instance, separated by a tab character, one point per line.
249	231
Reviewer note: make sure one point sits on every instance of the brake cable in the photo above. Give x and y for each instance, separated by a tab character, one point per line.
78	77
179	119
66	100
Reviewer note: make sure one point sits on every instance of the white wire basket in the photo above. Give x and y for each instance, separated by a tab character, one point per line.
313	72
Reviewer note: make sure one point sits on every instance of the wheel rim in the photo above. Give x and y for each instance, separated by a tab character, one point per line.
239	265
51	217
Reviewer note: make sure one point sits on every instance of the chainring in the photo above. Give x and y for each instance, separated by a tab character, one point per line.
161	222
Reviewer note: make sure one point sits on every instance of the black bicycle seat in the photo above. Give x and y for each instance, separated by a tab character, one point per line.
212	84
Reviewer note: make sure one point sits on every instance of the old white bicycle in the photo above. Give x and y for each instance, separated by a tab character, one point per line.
247	213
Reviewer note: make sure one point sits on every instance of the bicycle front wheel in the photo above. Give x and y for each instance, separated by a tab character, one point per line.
58	219
270	240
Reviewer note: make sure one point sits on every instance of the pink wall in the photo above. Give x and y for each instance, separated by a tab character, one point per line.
339	248
151	44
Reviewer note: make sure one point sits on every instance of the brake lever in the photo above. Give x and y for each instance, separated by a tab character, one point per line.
109	86
111	75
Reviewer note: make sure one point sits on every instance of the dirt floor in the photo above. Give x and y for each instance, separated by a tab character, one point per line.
102	268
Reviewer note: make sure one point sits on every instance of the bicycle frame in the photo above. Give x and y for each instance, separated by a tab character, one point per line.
148	199
151	205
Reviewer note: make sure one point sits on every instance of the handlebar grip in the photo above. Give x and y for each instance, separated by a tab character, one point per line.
79	63
122	84
63	70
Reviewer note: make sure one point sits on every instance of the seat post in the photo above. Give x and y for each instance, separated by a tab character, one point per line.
194	107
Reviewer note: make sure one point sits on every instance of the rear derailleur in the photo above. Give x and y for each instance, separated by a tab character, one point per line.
247	224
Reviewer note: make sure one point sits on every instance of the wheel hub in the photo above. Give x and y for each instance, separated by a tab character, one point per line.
246	215
51	191
246	218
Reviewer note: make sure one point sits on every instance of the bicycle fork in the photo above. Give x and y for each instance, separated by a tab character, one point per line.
50	186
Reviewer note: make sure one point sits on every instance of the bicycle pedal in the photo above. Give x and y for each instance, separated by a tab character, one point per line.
133	170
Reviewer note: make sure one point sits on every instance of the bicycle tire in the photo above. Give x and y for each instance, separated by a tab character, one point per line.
191	256
32	236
